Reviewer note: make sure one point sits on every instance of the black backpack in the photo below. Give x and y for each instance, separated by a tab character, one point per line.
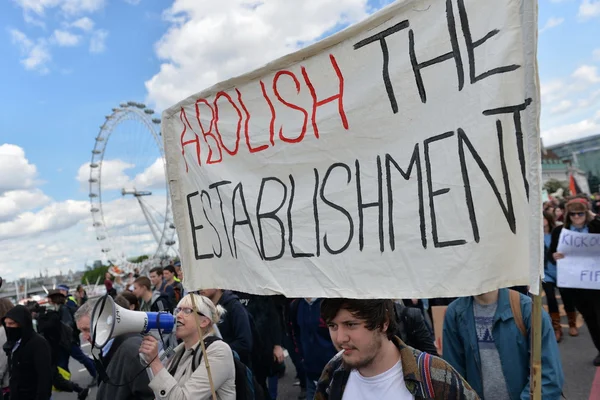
54	330
246	385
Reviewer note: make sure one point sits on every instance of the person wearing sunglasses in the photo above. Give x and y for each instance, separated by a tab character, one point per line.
186	376
579	218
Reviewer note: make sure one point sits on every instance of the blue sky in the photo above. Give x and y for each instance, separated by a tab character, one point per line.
66	63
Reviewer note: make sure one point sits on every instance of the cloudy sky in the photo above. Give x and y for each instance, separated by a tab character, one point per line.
67	63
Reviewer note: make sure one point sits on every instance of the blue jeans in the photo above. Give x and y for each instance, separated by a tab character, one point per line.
311	389
87	362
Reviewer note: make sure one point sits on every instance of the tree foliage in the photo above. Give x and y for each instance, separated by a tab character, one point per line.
139	259
553	185
92	274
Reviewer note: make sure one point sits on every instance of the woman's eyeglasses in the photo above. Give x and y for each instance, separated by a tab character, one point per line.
578	214
186	311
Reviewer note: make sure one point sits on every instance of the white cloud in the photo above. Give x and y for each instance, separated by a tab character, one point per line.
562	107
20	39
552	22
589	9
85	24
34	228
152	177
596	54
54	217
37	6
133	2
31	20
552	91
115	176
203	48
75	7
591	100
35	54
587	74
62	235
572	131
65	38
15	201
15	170
37	58
69	7
98	41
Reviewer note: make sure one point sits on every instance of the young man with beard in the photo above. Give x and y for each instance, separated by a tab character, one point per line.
372	363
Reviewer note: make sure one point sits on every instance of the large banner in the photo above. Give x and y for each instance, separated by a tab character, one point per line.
581	266
397	158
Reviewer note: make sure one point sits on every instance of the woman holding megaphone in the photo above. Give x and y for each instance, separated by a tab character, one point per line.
198	370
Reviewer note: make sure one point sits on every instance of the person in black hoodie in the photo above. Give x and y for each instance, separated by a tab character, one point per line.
412	329
29	357
314	341
267	334
235	324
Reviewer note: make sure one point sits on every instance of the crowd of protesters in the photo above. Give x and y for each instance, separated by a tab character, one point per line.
340	348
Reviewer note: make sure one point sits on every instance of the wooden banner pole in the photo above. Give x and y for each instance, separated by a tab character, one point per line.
203	348
535	388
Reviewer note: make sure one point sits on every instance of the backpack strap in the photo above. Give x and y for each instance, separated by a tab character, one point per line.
424	365
515	306
197	357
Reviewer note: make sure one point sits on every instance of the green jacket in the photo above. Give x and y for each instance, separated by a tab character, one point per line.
425	376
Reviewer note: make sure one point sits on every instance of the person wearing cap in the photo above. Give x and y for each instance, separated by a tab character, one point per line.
59	337
579	218
70	300
186	375
58	302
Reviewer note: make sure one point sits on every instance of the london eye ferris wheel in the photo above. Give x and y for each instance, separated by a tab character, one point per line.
129	193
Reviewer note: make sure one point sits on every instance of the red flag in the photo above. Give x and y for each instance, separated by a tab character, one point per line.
573	187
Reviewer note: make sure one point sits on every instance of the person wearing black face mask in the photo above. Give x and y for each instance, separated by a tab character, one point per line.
28	357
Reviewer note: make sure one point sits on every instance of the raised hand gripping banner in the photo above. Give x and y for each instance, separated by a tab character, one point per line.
397	158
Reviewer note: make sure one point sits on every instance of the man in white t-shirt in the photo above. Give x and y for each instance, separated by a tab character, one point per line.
373	363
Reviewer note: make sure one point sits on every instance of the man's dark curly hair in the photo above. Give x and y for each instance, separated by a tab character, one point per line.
375	313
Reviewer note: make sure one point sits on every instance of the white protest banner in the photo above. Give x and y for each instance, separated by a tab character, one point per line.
397	158
581	266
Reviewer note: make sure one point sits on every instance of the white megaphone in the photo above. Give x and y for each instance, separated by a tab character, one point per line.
110	320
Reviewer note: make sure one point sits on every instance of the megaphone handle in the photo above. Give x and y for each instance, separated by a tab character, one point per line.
203	347
143	360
